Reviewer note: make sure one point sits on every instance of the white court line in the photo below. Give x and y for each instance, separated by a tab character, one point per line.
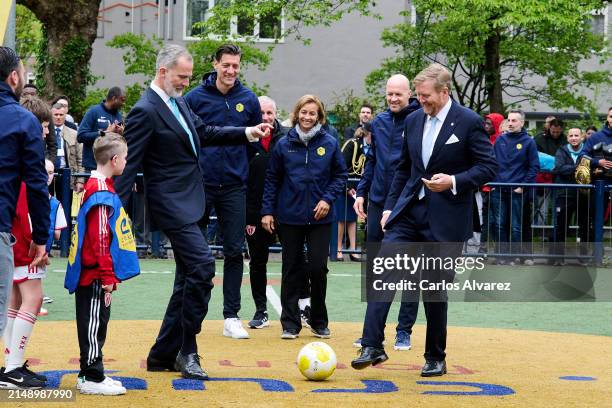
274	299
270	293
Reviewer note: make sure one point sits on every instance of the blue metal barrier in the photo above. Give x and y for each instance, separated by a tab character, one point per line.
598	192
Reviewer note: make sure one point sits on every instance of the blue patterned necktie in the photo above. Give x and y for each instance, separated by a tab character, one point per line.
177	114
58	138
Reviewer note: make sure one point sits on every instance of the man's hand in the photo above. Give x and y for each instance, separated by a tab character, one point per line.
606	164
78	187
383	220
518	190
321	210
358	207
259	131
39	252
250	230
439	182
268	223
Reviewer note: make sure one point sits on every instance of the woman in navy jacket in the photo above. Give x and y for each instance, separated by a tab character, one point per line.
306	173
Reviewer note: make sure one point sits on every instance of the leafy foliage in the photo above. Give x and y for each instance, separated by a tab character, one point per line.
28	32
495	49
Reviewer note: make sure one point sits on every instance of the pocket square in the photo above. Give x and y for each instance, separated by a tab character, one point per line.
452	139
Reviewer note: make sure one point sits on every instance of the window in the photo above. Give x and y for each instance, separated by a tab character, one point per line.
599	21
266	28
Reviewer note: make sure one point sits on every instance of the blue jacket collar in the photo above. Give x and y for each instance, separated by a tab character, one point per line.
7	95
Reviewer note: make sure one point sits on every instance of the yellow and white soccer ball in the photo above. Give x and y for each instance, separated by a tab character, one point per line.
316	361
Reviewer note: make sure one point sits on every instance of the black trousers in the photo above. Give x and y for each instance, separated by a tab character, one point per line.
188	305
294	273
230	205
92	316
408	310
259	244
566	206
411	227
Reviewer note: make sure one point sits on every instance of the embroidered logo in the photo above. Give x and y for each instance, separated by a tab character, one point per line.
321	151
519	146
239	107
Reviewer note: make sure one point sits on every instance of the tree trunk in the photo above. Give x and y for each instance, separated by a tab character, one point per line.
492	74
70	28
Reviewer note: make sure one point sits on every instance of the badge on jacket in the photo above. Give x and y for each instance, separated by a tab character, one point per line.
519	146
239	107
321	151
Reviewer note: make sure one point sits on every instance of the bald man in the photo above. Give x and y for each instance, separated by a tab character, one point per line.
381	162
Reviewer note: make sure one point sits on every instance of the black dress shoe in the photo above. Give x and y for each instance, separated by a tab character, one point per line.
433	368
369	356
154	364
189	366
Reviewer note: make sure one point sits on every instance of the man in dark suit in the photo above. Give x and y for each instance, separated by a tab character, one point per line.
164	138
446	156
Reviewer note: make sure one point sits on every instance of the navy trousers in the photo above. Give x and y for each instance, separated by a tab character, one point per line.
408	310
412	226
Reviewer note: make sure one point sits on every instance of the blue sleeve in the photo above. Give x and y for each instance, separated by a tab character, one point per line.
274	178
588	151
35	177
533	162
368	171
401	176
88	129
339	177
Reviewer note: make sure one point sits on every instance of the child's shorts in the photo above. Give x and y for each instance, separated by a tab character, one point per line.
24	273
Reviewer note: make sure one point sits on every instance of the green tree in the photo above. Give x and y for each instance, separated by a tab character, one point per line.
28	32
69	30
496	48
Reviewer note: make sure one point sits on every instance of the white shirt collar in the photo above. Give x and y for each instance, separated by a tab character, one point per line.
162	94
97	175
441	116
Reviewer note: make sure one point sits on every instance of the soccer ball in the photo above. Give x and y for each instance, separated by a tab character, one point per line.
316	361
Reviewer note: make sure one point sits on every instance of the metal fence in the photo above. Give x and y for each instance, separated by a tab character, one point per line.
557	221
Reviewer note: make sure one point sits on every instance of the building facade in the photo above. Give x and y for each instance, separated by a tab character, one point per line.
338	58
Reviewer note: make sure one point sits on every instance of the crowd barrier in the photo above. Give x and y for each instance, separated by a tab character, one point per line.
538	205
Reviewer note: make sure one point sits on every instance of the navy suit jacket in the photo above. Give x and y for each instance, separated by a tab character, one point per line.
158	144
470	159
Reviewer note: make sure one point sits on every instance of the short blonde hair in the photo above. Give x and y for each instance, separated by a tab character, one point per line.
306	99
436	73
107	146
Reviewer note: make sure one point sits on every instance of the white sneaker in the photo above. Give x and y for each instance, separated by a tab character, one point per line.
233	328
106	387
81	380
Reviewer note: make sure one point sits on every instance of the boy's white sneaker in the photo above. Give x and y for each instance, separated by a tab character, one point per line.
232	327
106	387
80	381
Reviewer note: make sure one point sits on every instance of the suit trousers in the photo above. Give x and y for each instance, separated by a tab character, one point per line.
188	305
408	310
317	237
411	226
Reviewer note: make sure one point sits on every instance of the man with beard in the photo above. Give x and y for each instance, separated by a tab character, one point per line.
22	159
164	137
